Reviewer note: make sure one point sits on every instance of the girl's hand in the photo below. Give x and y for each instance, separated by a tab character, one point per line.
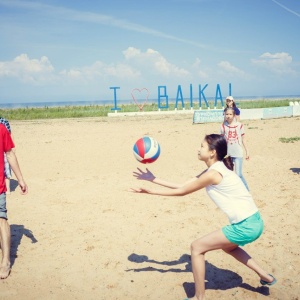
139	190
23	187
247	155
144	175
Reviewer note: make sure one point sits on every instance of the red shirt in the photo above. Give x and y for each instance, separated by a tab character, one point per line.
6	143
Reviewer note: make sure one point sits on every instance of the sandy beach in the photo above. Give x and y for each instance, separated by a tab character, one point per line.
79	233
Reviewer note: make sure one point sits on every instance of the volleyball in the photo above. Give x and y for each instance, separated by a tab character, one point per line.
146	150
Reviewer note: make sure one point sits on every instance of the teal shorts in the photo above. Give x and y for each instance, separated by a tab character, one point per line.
246	231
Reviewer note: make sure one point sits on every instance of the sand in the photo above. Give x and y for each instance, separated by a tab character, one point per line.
79	233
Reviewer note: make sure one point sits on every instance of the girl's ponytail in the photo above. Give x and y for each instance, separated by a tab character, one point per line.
218	142
227	160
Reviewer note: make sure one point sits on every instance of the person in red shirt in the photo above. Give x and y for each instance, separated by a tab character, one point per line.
6	146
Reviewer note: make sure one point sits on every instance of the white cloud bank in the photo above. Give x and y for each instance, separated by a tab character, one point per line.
279	63
229	69
27	70
137	66
153	61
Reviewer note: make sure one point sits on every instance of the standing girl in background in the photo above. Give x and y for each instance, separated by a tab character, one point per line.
235	136
226	189
230	103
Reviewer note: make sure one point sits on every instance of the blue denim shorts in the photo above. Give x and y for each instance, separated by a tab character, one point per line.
3	210
246	231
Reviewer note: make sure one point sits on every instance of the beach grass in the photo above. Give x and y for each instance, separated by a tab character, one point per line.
32	113
289	140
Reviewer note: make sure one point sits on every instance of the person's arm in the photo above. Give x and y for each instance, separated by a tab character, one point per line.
237	114
222	130
13	149
197	183
245	146
13	162
224	114
148	176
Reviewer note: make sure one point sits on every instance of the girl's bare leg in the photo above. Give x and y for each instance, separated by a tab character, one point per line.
243	257
5	247
211	241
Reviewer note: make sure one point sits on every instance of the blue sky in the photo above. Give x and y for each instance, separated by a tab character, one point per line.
59	50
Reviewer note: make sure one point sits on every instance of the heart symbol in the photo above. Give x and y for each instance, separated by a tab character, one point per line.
134	91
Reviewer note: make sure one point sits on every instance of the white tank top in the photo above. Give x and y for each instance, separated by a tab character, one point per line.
231	195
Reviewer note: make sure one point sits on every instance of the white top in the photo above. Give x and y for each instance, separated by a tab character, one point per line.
231	195
233	134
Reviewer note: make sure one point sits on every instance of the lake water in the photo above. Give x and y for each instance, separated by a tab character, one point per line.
111	102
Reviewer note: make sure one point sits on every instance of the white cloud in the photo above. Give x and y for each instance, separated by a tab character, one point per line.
279	63
199	71
41	71
101	70
26	69
122	71
72	74
131	52
228	68
152	61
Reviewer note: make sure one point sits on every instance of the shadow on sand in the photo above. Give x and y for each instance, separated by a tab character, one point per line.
295	170
215	278
17	233
13	185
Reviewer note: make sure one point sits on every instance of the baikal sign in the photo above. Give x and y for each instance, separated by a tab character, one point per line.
163	97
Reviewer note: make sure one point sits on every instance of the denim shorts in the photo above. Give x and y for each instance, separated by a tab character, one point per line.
3	210
246	231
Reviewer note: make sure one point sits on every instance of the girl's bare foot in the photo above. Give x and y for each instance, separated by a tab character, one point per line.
4	271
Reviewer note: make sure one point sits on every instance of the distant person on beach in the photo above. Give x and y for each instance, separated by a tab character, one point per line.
234	134
6	146
230	103
226	189
7	168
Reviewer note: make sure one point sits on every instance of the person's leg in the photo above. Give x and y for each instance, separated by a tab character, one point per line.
238	165
211	241
4	239
243	257
5	247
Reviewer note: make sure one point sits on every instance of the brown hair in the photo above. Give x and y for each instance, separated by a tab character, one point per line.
233	103
229	108
218	142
